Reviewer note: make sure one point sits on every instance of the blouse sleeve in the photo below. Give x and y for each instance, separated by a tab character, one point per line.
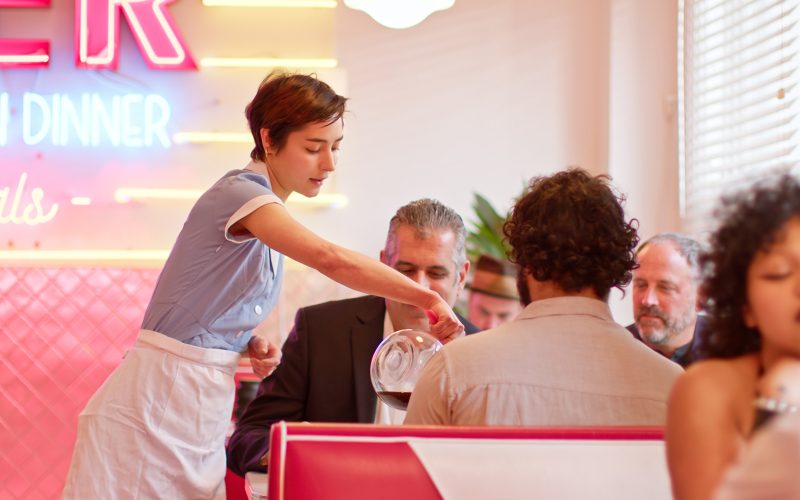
243	194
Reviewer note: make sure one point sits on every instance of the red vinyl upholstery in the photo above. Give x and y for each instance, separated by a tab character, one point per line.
358	461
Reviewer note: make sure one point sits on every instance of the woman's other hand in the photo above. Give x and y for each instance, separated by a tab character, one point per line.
782	382
264	356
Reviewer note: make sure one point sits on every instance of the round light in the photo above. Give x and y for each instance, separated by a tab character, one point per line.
399	14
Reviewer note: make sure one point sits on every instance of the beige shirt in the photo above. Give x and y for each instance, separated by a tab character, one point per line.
561	362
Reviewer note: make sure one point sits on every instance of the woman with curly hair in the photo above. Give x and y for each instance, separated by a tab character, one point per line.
753	287
563	360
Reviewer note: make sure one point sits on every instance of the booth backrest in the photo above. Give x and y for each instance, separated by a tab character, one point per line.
358	461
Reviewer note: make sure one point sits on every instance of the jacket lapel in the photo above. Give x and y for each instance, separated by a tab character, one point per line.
365	337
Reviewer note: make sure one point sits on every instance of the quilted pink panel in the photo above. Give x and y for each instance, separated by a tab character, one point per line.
62	331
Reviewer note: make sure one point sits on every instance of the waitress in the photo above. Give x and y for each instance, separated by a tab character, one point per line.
156	428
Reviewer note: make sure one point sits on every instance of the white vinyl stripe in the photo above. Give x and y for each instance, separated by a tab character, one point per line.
467	441
568	469
360	439
282	472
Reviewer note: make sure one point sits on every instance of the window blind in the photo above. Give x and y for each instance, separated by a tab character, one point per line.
738	98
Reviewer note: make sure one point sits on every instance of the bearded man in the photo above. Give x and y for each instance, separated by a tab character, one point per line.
666	297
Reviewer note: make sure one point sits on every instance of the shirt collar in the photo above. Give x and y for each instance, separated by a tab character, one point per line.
686	354
388	328
681	352
259	167
561	306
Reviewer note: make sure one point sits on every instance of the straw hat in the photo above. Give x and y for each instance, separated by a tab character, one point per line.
495	277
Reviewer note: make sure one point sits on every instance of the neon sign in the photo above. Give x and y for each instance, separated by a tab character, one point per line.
97	36
24	52
130	120
5	116
32	212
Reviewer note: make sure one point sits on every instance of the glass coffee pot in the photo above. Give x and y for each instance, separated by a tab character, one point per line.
397	364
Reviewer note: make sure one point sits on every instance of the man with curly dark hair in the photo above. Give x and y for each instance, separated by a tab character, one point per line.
563	360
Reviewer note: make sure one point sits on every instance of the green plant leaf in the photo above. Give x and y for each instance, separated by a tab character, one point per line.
486	234
486	212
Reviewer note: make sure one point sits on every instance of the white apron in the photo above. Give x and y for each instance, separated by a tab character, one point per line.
156	428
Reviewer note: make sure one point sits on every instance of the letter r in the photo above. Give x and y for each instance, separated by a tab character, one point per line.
97	34
24	52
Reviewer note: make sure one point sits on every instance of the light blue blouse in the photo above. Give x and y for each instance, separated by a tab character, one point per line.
216	287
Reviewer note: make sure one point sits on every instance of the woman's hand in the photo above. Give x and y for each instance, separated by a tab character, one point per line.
781	382
264	356
444	323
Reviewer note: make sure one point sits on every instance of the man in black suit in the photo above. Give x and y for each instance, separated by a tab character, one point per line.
667	299
324	372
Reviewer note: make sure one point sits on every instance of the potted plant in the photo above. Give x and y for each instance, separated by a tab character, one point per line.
486	234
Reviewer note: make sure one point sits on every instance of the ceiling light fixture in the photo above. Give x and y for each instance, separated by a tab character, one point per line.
399	14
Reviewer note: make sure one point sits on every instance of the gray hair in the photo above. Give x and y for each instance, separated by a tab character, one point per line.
424	216
689	248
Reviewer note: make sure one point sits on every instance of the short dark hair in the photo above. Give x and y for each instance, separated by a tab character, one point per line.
570	228
750	221
287	102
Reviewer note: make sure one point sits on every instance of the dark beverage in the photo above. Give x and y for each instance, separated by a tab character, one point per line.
395	399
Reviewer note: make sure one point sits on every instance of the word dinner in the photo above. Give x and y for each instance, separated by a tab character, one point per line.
89	120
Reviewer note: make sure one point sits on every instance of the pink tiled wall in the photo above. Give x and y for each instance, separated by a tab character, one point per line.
62	331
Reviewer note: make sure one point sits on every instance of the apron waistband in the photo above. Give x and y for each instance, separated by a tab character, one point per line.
218	358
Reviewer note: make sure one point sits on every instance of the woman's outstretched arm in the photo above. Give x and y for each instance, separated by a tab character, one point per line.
273	225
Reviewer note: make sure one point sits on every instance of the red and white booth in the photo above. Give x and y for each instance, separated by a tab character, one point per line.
357	461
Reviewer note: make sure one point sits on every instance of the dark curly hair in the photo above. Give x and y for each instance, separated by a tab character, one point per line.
750	222
570	228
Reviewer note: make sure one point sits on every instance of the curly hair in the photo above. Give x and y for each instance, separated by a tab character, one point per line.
750	222
570	228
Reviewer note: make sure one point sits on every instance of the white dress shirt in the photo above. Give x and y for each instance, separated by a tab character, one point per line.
385	414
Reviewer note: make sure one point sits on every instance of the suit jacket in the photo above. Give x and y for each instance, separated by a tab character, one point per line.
323	376
686	354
